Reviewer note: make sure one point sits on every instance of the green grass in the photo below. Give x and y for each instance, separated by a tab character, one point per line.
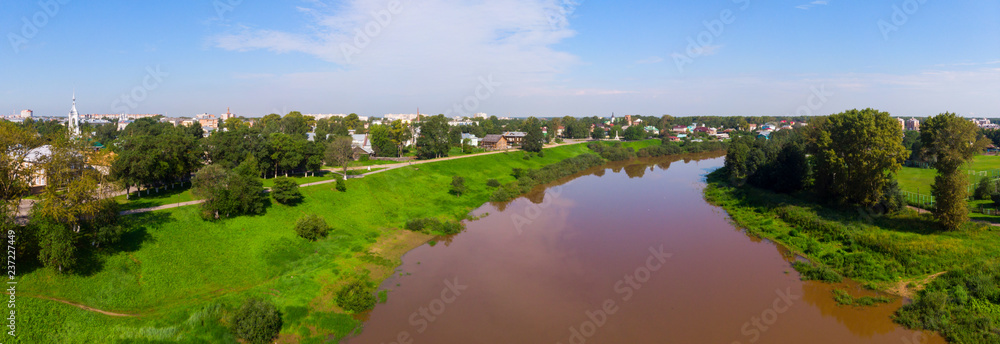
844	298
184	275
641	144
919	181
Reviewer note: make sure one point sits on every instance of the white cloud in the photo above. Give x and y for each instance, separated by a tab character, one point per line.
440	46
813	4
650	60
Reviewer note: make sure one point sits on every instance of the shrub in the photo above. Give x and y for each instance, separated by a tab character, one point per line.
493	183
356	297
818	273
457	185
341	185
312	227
286	191
257	322
433	224
985	190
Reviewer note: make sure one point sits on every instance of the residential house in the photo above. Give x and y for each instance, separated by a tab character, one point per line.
494	142
473	139
514	138
680	129
362	146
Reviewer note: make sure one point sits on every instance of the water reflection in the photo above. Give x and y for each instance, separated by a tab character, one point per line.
542	269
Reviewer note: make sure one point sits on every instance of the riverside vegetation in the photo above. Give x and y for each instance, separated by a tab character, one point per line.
179	276
950	269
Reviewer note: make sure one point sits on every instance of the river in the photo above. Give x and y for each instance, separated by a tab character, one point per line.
626	253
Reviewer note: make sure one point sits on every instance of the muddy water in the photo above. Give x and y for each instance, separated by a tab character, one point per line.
630	253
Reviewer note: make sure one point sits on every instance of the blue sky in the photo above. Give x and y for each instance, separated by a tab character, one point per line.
513	57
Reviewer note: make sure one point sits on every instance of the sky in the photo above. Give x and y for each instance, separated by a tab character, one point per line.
513	58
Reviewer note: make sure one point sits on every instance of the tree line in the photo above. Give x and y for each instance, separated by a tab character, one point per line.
851	158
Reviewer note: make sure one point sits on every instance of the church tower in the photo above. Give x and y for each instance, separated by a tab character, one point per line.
74	119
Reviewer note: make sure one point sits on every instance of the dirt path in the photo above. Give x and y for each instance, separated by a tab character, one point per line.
90	309
383	168
903	287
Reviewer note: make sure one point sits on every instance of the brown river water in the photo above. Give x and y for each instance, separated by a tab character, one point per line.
626	253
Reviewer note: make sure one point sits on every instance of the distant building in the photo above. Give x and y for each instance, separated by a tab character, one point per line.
27	113
514	138
902	123
913	124
494	142
473	140
406	118
74	119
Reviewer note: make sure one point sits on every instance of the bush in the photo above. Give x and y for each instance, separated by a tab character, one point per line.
286	191
493	183
457	185
356	297
341	185
433	224
985	190
312	227
614	152
818	273
257	322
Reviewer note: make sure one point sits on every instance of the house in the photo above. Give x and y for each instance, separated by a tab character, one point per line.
362	146
751	127
514	138
680	129
705	130
722	136
38	156
652	129
674	139
473	140
765	134
494	142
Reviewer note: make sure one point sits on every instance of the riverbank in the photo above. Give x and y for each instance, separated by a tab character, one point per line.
182	276
950	275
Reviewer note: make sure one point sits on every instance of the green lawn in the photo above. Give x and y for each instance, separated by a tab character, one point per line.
919	180
182	274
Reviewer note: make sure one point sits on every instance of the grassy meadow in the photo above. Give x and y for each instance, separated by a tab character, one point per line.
181	276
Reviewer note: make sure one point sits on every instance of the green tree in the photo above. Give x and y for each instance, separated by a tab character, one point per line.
56	242
853	151
598	134
286	191
635	133
381	138
533	140
457	185
312	227
400	133
352	121
257	322
356	297
295	125
433	141
952	141
340	152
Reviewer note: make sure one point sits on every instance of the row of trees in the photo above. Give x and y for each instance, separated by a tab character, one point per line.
851	158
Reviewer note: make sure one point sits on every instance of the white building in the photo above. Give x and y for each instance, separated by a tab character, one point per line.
27	113
74	119
406	118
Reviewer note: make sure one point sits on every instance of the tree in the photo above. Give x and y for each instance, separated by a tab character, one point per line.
352	121
257	322
286	191
382	143
295	125
312	227
952	141
340	152
635	133
400	133
457	185
433	141
56	242
356	297
598	134
15	169
229	193
852	153
534	140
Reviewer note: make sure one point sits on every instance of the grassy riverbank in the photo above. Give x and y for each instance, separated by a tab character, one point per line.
181	276
901	254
